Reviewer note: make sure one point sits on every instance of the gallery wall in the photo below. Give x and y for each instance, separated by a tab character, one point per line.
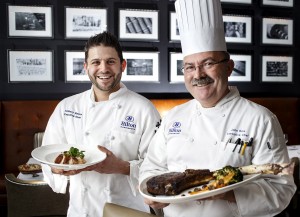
255	49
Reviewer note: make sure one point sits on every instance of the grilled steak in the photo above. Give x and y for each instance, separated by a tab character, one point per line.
175	182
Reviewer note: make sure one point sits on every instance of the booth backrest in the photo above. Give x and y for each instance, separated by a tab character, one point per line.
20	120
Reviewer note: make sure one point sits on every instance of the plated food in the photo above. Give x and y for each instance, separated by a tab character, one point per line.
47	154
30	168
167	188
73	156
174	183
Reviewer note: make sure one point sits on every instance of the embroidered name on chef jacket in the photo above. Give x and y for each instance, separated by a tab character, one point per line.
72	114
175	129
128	123
237	132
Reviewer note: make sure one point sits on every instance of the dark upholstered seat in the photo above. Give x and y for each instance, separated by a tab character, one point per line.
33	198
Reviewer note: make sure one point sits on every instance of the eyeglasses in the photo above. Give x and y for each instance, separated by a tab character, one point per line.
205	66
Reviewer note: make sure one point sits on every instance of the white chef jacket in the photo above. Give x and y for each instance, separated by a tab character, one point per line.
125	125
195	137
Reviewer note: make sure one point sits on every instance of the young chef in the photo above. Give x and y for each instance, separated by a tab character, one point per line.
201	133
119	120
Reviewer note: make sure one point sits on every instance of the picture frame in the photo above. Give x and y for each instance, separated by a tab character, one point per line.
277	68
174	30
242	70
141	66
277	31
137	24
30	21
30	66
82	23
238	1
286	3
74	67
176	63
237	29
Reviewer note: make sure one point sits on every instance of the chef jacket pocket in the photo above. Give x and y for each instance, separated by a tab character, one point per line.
124	145
231	154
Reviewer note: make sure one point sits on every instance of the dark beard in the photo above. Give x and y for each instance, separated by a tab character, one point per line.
109	88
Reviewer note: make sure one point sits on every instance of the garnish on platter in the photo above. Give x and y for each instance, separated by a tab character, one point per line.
73	156
228	175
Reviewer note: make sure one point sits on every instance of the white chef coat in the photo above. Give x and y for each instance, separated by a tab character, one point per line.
125	125
195	137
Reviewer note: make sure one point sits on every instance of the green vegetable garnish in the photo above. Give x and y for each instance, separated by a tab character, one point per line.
74	152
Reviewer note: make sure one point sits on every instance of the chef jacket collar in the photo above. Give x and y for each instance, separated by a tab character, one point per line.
113	95
233	93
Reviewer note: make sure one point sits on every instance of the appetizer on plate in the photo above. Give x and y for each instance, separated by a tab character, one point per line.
30	168
73	156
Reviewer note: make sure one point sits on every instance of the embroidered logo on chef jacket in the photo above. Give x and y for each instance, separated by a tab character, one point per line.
175	129
128	123
73	114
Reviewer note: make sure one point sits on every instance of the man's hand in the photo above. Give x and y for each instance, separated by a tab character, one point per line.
110	165
155	205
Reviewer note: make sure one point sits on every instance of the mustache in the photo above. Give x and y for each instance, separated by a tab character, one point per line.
202	81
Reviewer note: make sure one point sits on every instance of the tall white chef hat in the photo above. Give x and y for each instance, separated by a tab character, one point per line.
200	25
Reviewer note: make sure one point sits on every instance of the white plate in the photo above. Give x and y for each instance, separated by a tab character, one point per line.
47	154
185	196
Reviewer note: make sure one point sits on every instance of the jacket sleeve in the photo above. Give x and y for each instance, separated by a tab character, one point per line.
156	161
268	195
151	121
54	134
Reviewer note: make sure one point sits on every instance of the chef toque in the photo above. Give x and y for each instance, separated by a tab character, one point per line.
200	25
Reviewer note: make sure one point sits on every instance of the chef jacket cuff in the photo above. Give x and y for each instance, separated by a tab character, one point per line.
133	176
57	182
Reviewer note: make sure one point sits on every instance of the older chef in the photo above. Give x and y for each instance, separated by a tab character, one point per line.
112	116
201	133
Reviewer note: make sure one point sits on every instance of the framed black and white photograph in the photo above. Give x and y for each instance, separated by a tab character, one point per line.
30	66
174	30
138	24
141	66
81	23
238	29
238	1
277	69
74	67
176	63
30	21
277	31
242	68
283	3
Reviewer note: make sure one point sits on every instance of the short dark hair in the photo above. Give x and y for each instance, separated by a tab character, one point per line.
106	39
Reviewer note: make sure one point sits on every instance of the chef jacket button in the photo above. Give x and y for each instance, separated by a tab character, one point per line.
191	140
223	115
87	133
112	138
198	202
85	189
